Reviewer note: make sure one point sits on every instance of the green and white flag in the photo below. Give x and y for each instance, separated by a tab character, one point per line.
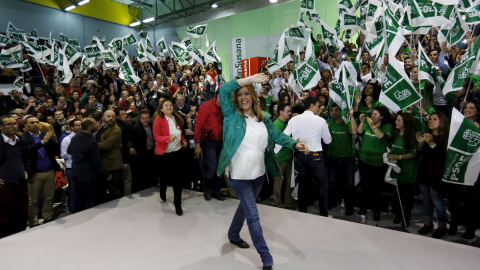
330	36
346	5
292	80
92	52
379	61
374	8
11	58
12	29
7	88
394	33
74	43
64	68
4	40
466	66
54	58
63	38
116	45
398	91
429	13
34	33
340	90
352	22
307	5
454	31
141	51
281	55
462	163
197	31
127	73
163	45
195	53
109	59
308	74
473	14
179	52
298	32
71	54
129	39
25	66
18	37
150	50
428	71
211	53
85	64
142	34
186	41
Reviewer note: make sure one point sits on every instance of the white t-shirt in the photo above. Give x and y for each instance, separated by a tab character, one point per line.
174	131
248	163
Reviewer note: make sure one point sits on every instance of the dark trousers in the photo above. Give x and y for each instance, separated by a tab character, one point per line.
86	193
72	193
406	191
13	209
142	171
372	179
312	164
208	164
172	172
340	178
115	186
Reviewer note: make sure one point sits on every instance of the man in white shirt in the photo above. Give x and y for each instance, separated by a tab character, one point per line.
311	129
75	126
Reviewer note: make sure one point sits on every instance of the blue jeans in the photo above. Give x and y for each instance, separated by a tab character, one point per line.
313	165
247	191
208	164
340	177
431	199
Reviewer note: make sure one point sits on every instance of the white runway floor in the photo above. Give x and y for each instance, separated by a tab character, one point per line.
141	232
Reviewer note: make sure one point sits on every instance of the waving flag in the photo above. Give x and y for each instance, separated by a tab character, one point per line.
162	45
281	55
127	73
11	58
197	31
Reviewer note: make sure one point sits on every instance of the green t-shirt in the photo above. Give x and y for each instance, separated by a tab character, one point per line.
420	121
285	154
372	149
268	101
342	144
409	167
364	109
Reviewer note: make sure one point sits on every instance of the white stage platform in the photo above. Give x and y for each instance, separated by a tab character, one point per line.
141	232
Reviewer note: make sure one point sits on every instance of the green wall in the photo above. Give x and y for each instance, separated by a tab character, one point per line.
264	21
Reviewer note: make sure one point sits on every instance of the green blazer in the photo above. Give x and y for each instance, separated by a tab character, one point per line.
111	148
234	128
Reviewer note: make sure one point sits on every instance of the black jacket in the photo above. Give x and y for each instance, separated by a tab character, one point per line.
51	148
86	160
139	141
23	146
126	129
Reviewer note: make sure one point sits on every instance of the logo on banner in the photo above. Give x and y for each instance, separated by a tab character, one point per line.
455	30
403	94
472	137
463	73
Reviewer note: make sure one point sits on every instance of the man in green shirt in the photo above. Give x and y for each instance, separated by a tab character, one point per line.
341	157
266	88
284	160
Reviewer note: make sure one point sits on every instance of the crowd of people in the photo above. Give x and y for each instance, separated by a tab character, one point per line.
181	126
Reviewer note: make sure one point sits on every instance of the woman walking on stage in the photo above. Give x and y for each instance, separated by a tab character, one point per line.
167	133
248	134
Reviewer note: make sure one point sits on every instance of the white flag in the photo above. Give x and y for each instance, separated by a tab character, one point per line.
197	31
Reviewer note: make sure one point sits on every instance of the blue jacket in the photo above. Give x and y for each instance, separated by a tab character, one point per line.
234	128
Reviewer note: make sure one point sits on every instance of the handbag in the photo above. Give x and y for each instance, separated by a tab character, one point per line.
60	180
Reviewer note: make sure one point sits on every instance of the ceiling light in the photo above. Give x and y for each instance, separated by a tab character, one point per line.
83	2
151	19
135	24
70	7
272	1
214	5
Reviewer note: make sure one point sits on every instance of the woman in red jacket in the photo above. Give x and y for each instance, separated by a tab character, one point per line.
167	133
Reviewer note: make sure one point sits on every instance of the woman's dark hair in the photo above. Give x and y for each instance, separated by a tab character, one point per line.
476	103
263	103
383	111
443	124
376	92
282	96
409	130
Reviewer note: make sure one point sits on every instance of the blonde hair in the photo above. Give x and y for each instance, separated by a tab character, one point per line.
255	105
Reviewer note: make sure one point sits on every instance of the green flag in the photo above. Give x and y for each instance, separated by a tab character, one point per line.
454	31
463	69
211	53
297	32
63	38
12	29
179	52
473	14
66	73
150	49
339	91
195	53
109	59
308	74
428	71
129	39
197	31
25	66
70	53
141	51
462	163
162	45
4	40
127	73
11	58
85	64
281	55
398	91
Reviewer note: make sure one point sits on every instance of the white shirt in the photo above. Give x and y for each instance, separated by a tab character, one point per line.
63	150
276	85
309	128
10	141
248	163
174	131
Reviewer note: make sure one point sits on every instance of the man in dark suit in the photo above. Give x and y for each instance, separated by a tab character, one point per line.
118	83
180	105
86	166
13	182
126	128
43	150
142	151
